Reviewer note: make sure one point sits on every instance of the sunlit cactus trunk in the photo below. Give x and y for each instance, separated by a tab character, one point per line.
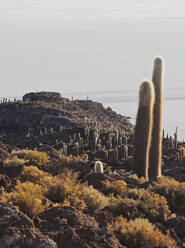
156	144
143	129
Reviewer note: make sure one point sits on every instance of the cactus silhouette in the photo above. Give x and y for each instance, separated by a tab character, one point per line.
143	129
156	143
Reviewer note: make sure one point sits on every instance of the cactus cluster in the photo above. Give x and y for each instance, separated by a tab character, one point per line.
148	129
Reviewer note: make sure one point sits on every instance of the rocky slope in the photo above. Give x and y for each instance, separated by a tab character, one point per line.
45	140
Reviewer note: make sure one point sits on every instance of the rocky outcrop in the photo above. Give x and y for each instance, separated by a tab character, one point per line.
42	96
70	228
177	227
18	231
4	181
40	116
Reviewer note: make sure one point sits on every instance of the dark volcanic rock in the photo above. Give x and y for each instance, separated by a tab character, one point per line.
17	230
178	224
42	96
12	171
4	151
70	228
4	181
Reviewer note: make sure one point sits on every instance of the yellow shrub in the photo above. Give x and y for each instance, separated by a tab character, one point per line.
65	188
140	233
27	196
15	161
76	163
141	203
35	157
94	200
167	183
127	207
173	191
133	193
34	175
117	188
142	180
67	160
180	199
154	206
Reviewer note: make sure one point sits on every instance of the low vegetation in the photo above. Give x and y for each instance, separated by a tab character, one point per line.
140	233
135	211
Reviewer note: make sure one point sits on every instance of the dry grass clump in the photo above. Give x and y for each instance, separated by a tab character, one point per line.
173	191
27	196
154	206
94	199
141	203
66	189
127	207
140	233
33	156
76	163
118	187
15	161
142	180
68	160
36	176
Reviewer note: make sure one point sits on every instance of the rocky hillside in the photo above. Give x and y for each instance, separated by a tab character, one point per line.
66	179
22	123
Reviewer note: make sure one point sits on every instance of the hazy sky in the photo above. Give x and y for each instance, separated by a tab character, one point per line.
88	45
57	9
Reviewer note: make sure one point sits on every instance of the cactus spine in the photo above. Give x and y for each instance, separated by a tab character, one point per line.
143	129
156	144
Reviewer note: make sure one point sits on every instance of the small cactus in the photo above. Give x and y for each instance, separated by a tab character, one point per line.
177	156
41	133
45	131
98	167
64	149
77	147
115	153
125	150
106	155
99	147
120	141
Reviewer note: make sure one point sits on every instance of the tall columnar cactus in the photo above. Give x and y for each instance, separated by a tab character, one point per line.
143	129
156	144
